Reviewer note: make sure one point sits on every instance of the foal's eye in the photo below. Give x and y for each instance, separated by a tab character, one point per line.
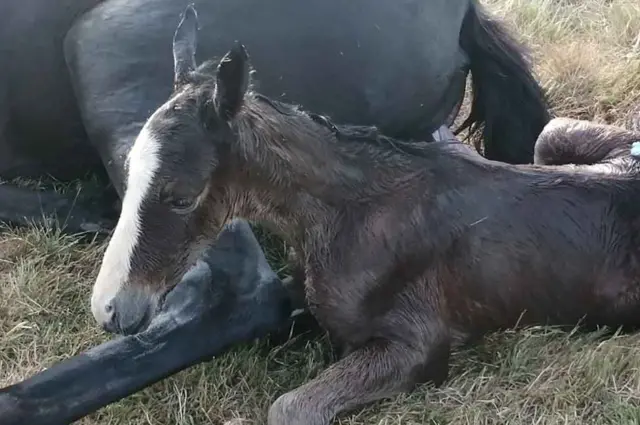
182	205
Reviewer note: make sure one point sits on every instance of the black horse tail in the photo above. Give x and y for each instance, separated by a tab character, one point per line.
508	105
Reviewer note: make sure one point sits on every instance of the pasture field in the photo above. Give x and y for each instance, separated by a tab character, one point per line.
587	53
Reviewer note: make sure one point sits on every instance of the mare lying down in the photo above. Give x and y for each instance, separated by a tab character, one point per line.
229	296
408	249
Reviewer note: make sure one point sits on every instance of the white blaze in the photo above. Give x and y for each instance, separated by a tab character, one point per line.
144	161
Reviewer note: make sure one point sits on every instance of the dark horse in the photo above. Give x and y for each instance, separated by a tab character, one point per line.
409	249
80	77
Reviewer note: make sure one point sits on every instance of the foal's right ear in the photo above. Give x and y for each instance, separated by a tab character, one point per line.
232	82
184	46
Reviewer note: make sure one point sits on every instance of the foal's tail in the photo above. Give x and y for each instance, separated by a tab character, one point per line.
508	106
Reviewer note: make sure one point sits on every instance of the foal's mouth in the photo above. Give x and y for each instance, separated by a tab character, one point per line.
139	326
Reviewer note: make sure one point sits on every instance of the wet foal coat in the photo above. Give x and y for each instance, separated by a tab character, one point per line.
408	248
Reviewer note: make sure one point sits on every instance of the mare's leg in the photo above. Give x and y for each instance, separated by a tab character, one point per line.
570	141
409	346
21	206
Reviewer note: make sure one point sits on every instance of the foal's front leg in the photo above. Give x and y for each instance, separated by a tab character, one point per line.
381	368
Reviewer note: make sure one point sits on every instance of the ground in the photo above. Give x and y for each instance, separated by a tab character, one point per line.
587	54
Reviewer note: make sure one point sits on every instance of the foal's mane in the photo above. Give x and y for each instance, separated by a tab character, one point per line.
204	77
353	133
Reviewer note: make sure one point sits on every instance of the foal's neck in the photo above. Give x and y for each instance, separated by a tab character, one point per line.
294	174
289	151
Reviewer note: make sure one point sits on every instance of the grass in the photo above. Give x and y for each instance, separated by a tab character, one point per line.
587	54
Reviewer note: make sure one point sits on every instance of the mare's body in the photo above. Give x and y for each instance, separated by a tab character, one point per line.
80	78
408	248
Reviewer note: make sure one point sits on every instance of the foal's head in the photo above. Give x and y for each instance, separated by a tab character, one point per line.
170	210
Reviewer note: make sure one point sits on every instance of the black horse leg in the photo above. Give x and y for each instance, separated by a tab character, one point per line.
73	214
230	296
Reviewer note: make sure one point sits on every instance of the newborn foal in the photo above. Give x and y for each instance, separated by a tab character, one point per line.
408	248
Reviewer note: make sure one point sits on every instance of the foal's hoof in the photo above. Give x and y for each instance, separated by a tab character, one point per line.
293	408
635	150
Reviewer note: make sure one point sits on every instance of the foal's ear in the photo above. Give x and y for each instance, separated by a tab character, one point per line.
232	82
184	46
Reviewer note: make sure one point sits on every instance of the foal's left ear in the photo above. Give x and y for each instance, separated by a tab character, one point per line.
232	82
184	46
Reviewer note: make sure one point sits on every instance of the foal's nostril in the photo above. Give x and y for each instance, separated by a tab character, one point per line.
110	324
127	313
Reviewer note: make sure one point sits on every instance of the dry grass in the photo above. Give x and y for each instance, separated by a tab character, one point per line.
588	56
587	52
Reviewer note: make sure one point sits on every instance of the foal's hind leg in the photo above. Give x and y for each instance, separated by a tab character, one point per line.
570	141
383	367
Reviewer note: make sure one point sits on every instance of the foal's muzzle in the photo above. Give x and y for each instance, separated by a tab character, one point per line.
130	311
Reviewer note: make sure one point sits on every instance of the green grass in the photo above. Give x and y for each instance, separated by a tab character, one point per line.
587	55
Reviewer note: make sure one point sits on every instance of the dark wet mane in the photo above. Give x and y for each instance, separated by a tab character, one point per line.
351	133
371	134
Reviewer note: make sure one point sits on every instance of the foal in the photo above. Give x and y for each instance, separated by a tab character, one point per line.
408	249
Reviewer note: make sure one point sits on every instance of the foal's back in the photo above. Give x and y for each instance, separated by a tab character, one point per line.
552	242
